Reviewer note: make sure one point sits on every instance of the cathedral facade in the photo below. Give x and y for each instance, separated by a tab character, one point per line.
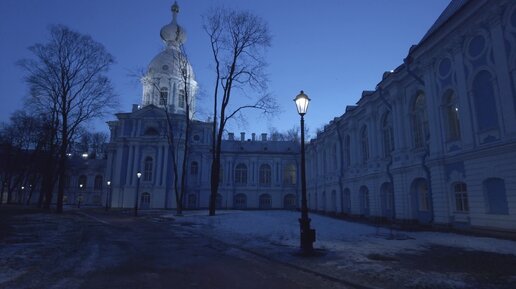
433	143
256	172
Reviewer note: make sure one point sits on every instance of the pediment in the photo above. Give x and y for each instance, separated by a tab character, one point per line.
149	111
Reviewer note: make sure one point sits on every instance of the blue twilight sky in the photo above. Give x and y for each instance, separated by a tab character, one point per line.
331	49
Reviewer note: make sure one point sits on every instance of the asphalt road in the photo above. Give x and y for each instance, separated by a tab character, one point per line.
91	249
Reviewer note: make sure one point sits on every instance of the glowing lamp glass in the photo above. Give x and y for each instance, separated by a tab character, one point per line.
302	101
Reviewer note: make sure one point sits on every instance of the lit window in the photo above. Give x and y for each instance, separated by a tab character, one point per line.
289	174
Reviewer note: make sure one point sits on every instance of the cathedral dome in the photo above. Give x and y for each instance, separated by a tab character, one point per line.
167	63
164	83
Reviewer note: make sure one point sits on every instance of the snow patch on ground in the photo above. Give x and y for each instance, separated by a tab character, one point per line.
282	227
349	246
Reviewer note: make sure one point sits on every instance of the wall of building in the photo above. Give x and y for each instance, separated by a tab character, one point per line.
451	111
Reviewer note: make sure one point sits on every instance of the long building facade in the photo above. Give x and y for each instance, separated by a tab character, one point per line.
435	142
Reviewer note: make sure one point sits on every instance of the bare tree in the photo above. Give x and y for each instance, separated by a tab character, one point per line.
22	147
68	76
238	41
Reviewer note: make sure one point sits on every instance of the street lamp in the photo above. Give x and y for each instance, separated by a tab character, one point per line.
108	194
307	234
80	196
138	175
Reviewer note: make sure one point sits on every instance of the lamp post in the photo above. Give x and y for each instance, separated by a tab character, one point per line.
108	194
307	234
80	196
138	175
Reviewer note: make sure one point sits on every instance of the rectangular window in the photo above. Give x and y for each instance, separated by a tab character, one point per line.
181	101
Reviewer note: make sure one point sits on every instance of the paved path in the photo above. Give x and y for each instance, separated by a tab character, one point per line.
91	249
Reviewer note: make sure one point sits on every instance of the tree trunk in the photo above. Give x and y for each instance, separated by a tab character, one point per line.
62	164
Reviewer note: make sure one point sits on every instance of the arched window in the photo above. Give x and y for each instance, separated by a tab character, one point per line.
265	174
451	114
364	142
147	169
265	201
333	201
495	196
346	200
460	191
241	174
98	182
289	174
240	201
323	201
364	200
289	201
82	182
423	195
194	168
485	103
347	150
163	96
387	200
181	99
420	121
333	157
388	134
145	201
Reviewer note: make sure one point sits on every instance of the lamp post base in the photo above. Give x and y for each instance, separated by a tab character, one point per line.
307	236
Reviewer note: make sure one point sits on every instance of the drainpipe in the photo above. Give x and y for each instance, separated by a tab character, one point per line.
407	61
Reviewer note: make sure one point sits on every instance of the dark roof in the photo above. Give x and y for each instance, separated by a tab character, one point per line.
451	9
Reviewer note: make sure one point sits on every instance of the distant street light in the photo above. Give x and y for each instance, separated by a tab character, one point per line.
138	175
108	194
307	235
80	196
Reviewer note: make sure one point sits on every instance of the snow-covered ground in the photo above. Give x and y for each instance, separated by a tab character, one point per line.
348	246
